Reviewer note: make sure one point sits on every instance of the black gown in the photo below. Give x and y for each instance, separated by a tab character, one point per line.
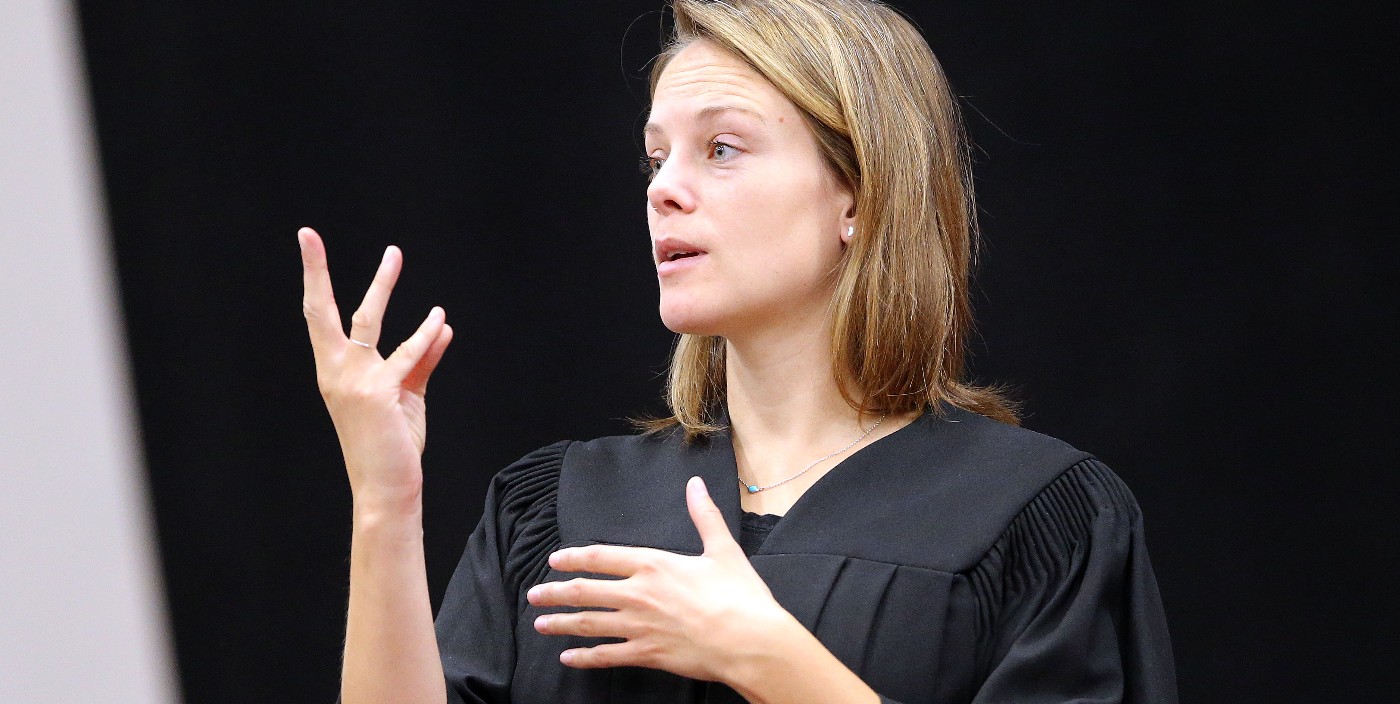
958	559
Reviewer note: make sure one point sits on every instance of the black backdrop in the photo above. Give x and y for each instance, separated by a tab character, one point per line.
1183	274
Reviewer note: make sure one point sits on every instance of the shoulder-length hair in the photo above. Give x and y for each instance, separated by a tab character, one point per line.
888	127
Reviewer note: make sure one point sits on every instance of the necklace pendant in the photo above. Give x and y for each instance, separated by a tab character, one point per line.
754	488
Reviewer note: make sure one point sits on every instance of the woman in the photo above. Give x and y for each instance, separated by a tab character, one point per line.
812	226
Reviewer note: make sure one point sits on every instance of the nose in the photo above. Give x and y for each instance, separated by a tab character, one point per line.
670	191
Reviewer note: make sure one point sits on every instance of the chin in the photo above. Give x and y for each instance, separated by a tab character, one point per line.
690	325
691	317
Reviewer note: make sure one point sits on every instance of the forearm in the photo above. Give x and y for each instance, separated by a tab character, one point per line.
794	667
391	652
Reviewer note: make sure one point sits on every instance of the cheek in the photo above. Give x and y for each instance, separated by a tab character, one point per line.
772	252
771	270
785	244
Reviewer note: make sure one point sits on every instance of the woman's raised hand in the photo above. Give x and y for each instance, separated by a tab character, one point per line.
376	403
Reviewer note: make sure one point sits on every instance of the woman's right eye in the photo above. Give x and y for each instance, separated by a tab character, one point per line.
649	165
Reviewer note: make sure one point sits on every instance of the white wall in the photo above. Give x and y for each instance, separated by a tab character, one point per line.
81	613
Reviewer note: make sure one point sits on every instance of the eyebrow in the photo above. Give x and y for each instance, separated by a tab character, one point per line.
706	113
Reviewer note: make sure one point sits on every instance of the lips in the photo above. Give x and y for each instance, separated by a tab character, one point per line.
673	254
671	249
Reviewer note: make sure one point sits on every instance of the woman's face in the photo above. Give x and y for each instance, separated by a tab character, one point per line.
738	178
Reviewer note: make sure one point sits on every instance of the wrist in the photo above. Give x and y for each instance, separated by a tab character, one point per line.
380	509
786	664
761	652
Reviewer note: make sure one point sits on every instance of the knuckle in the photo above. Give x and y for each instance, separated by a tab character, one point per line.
647	653
308	310
361	319
642	601
571	589
407	348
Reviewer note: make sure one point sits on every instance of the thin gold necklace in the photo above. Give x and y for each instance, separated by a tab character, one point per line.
754	488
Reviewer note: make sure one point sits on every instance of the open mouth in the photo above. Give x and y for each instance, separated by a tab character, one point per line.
672	250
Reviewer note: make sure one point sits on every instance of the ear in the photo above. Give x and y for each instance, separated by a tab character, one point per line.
848	221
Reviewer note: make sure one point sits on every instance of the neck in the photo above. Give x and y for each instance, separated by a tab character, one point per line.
785	408
783	395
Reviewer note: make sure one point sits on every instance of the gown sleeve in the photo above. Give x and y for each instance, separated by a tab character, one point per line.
510	545
1067	603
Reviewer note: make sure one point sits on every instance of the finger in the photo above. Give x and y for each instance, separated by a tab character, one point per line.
592	624
368	318
580	592
318	301
412	350
417	380
619	560
714	532
605	655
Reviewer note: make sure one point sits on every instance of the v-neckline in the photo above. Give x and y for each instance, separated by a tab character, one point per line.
731	505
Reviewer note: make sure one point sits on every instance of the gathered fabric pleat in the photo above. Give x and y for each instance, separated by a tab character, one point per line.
1067	608
510	544
529	496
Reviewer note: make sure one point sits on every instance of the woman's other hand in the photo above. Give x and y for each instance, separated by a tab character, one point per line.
696	616
376	403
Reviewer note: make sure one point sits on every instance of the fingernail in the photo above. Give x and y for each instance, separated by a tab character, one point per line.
567	657
533	593
542	622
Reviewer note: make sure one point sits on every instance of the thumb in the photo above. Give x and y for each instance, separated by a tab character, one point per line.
709	522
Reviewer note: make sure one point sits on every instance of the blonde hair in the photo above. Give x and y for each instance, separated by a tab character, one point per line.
889	129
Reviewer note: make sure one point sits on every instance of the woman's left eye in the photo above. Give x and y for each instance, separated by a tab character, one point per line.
650	165
716	145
